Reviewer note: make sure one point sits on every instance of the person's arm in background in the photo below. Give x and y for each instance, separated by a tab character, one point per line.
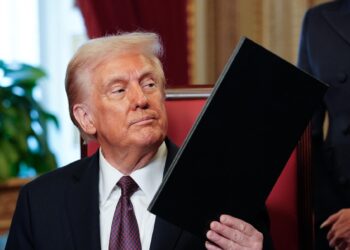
339	229
305	64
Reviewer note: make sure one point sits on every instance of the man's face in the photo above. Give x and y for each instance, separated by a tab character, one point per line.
127	103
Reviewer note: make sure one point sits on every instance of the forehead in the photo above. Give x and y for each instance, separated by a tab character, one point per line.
123	59
123	64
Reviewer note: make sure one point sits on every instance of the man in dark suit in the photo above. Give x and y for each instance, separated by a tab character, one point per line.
115	89
325	53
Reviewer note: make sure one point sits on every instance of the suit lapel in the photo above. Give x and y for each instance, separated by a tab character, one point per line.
165	234
340	20
83	208
83	204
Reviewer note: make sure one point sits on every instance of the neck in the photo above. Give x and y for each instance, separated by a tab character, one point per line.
128	160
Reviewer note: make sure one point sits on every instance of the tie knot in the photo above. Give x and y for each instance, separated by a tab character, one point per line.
127	185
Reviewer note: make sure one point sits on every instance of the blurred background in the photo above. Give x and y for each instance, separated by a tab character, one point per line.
46	33
198	35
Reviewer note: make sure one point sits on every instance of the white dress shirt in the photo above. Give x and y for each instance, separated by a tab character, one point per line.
147	178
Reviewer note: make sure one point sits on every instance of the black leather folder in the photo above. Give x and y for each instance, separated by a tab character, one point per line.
241	141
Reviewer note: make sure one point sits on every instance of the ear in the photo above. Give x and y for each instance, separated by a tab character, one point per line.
84	117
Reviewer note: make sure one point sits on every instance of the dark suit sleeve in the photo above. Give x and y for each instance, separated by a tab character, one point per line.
20	235
305	64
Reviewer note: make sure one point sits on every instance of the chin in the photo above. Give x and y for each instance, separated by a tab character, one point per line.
151	140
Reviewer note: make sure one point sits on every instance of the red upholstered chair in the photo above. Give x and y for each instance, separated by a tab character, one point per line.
289	202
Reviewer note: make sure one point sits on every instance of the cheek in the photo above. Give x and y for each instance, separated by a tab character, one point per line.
110	116
164	118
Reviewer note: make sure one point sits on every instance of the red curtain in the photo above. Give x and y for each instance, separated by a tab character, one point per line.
167	18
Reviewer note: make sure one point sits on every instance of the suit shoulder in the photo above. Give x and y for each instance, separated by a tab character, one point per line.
315	16
58	177
328	6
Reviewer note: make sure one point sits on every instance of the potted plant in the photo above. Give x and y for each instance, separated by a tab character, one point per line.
23	122
23	134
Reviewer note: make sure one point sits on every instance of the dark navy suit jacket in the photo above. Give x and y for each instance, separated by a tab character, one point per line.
60	210
325	53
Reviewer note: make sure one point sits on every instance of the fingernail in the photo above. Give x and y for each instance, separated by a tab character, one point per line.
209	234
207	244
214	225
223	218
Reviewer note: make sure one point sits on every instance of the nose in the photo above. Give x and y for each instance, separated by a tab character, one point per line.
138	98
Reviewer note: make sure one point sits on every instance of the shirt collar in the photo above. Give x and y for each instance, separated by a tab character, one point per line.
147	178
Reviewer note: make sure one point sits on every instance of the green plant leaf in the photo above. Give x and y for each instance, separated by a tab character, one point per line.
48	163
5	170
23	121
20	72
9	159
52	118
27	85
10	152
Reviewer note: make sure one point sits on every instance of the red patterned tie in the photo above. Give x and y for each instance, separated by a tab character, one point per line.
124	230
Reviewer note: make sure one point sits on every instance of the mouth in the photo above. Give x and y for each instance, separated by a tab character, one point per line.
143	120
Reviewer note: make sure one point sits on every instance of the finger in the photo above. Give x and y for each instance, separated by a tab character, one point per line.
230	234
343	232
333	237
211	246
330	220
238	224
222	242
331	232
241	226
339	229
335	240
339	235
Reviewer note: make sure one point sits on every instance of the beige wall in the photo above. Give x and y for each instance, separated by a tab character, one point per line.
217	25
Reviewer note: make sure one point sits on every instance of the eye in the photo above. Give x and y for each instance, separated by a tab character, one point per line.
118	90
150	85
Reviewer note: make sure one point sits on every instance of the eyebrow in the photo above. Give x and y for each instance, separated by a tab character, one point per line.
119	78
